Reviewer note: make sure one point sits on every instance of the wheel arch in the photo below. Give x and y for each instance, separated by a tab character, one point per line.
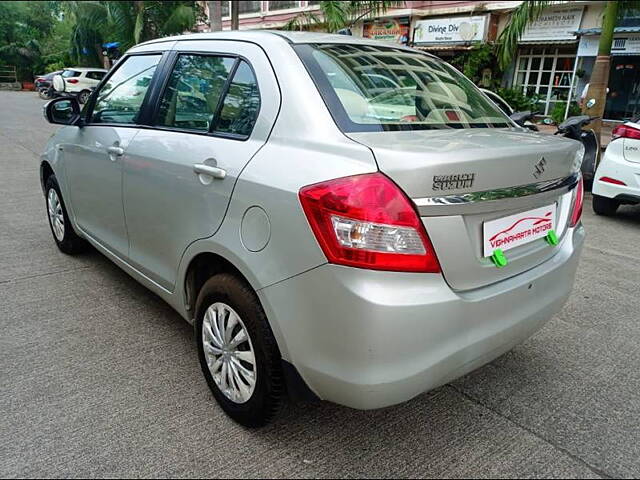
201	268
46	170
208	260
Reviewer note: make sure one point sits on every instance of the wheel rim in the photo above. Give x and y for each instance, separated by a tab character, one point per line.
55	214
84	97
229	352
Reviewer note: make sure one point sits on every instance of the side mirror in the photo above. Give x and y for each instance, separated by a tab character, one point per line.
521	117
62	111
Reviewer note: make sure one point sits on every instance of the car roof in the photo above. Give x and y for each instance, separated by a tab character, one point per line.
86	69
259	36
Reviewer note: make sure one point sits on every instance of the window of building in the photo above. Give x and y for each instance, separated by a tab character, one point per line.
272	6
545	72
248	7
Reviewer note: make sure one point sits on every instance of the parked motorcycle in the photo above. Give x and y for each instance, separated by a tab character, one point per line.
573	127
524	119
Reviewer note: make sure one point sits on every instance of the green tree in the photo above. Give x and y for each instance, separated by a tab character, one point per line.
23	27
127	22
529	11
337	15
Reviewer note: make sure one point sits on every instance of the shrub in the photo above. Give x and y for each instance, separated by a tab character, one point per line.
557	114
518	100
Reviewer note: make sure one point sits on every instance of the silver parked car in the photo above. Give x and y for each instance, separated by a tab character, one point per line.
329	233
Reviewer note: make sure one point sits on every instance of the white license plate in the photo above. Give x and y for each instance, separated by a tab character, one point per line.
509	232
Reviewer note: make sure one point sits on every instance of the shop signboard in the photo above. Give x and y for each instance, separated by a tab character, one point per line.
556	24
622	45
450	30
387	31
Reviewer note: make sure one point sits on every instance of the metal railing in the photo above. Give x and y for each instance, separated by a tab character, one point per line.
8	74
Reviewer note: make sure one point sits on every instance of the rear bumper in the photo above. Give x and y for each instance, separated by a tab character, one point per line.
369	339
615	166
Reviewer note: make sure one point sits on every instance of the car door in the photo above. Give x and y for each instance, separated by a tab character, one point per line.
213	114
93	78
93	159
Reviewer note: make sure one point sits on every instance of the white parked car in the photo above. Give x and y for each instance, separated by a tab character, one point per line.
78	81
617	179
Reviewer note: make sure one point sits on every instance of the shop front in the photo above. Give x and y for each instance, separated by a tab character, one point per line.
393	30
546	60
447	37
623	99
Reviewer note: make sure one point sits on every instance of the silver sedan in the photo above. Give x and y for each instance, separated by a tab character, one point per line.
340	219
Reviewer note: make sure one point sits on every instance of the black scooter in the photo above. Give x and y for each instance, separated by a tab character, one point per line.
572	127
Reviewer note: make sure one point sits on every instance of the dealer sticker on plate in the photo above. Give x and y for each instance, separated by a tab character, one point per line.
515	230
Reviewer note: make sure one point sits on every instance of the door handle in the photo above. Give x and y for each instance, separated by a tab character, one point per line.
214	172
117	151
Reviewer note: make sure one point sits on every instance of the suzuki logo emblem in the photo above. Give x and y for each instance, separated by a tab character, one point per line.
538	169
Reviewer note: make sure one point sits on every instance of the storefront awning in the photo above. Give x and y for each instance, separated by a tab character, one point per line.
440	48
598	31
549	42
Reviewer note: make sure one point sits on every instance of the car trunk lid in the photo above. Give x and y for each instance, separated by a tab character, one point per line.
461	178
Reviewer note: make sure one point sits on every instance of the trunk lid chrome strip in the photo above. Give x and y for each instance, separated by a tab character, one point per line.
488	199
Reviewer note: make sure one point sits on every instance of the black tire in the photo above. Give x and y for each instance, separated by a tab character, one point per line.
45	93
83	96
604	206
588	184
269	392
70	243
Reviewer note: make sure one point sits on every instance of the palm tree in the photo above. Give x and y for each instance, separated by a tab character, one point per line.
529	11
127	22
215	15
337	15
235	13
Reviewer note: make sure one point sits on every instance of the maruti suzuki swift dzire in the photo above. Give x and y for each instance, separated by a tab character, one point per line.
340	219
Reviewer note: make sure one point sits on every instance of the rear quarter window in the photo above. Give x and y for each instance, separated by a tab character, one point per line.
96	75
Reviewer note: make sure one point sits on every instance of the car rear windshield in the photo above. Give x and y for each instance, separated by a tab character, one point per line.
70	73
377	88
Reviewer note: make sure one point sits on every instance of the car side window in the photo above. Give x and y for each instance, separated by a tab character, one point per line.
241	104
193	91
120	99
95	75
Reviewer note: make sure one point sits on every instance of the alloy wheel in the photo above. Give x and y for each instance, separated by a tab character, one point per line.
228	352
56	216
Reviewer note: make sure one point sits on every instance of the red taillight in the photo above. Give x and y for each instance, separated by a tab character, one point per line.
625	131
366	221
72	80
578	200
611	180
